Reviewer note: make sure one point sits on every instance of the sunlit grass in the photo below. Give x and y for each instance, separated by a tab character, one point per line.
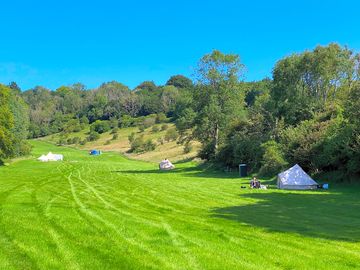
109	212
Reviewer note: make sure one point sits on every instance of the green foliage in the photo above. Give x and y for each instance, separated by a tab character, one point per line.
188	148
273	160
171	135
164	127
155	129
100	126
139	145
126	121
93	136
131	137
115	136
160	118
180	81
13	124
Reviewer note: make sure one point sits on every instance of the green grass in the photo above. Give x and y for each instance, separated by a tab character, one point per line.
109	212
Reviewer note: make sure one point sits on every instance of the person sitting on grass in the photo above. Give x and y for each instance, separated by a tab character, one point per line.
254	183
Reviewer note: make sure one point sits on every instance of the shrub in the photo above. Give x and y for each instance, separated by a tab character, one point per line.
100	126
160	140
137	145
126	121
188	148
114	123
75	140
160	118
148	122
93	136
142	128
131	137
149	146
83	142
171	135
115	136
273	160
164	127
155	129
115	130
107	142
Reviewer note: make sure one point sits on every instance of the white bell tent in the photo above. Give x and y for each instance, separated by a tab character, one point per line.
51	157
295	178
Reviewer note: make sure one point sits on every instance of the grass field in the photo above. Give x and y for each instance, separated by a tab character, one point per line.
109	212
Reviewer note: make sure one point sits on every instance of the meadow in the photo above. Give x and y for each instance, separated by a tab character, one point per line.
110	212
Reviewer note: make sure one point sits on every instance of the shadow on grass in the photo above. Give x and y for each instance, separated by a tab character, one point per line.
327	216
197	171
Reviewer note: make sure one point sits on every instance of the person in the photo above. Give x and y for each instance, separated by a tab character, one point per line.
255	183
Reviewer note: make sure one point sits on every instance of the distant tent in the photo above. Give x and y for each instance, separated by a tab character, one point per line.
95	152
166	165
51	157
295	178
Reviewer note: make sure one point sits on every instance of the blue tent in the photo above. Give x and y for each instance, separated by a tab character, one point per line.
95	152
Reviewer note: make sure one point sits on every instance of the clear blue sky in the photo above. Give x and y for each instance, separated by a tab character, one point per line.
53	43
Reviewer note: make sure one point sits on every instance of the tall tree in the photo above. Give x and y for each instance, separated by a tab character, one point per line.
219	99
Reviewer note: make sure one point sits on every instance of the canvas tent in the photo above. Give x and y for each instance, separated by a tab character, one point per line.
166	165
295	178
51	157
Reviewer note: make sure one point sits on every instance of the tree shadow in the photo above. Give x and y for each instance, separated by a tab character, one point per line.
194	171
334	216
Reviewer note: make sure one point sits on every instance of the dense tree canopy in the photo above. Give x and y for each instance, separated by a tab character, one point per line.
307	113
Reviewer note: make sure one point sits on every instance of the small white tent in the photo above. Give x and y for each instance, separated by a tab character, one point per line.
51	157
295	178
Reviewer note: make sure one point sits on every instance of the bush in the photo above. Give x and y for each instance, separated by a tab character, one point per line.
93	136
115	136
126	121
149	146
188	148
171	135
107	142
115	130
155	129
114	123
76	140
148	121
131	137
160	118
142	128
273	160
164	127
100	126
160	140
138	145
83	142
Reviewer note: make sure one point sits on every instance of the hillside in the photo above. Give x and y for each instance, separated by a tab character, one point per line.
171	150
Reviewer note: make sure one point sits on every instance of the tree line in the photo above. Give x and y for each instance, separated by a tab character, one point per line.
307	113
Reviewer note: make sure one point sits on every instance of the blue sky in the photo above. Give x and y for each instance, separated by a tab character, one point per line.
53	43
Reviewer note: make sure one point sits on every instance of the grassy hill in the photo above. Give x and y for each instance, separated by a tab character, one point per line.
110	212
171	150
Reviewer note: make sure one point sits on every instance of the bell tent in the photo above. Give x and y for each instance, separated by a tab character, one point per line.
295	178
51	157
166	165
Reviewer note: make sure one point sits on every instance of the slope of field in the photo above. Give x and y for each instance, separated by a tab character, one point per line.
109	212
170	150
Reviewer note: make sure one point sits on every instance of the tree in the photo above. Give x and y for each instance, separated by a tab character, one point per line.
180	81
219	100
